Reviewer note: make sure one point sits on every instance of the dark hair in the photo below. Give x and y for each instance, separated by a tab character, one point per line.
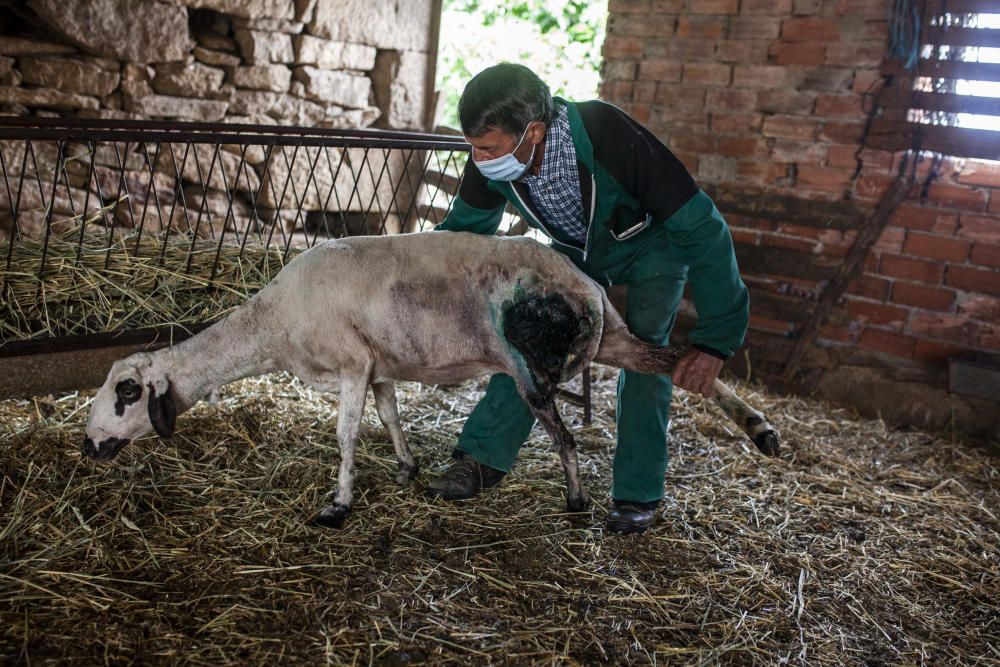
506	97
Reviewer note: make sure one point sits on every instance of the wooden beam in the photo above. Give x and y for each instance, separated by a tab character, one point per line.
895	135
898	99
954	36
785	262
945	69
963	7
787	208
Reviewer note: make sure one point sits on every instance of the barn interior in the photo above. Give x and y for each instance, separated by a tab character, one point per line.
162	161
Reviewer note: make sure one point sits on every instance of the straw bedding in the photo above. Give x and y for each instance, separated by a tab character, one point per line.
860	545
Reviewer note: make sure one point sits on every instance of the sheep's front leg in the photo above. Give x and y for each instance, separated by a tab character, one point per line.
385	404
545	412
352	405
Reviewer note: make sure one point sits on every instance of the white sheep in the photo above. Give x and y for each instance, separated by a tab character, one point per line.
428	307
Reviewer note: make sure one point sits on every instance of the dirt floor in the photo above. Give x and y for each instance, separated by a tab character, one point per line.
861	545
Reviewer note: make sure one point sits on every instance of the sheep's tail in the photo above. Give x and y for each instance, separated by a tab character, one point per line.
621	349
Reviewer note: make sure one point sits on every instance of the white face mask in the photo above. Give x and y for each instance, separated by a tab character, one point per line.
506	167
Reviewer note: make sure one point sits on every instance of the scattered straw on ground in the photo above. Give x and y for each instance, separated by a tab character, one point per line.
860	545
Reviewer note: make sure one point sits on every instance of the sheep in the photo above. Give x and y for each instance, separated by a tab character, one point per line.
429	307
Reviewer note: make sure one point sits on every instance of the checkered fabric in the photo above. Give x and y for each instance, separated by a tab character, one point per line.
555	191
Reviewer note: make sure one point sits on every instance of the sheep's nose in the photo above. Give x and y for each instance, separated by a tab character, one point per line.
88	447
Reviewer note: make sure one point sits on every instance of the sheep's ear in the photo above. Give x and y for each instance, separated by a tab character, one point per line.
162	411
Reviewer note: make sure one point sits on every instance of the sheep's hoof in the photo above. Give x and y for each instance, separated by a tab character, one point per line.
577	504
406	474
331	516
767	443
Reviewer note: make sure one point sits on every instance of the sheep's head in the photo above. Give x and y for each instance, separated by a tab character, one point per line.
135	398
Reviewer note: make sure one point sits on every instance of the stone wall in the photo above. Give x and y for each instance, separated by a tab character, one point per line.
765	102
328	63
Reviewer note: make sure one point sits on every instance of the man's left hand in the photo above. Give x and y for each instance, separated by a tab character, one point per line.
696	371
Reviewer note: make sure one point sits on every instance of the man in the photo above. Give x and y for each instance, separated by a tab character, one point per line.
625	211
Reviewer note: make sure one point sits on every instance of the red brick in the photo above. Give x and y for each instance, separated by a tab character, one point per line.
628	6
617	91
784	100
668	6
714	6
640	112
638	25
680	98
855	8
731	100
840	132
767	324
929	351
744	236
828	79
802	152
761	76
973	280
946	327
622	47
980	306
826	179
979	172
814	233
872	186
856	54
707	73
700	27
979	228
797	53
912	216
761	173
837	334
742	51
895	266
643	91
810	30
866	80
839	105
936	247
753	27
660	70
986	254
891	239
789	242
806	7
766	7
789	127
684	49
957	196
878	313
888	342
736	123
698	142
871	287
742	146
921	296
993	206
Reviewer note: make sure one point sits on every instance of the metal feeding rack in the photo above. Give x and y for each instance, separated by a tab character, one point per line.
118	235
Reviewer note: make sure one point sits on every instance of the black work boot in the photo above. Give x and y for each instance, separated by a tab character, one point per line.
629	517
464	478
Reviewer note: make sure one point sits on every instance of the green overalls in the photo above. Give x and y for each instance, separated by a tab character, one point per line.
654	258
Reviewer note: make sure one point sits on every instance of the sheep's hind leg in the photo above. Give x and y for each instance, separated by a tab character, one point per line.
385	404
544	409
352	405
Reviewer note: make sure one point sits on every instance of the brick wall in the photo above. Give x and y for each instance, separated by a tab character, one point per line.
767	99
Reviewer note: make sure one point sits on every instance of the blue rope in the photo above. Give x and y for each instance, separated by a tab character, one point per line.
904	28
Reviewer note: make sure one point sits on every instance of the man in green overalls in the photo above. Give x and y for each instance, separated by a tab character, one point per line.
616	201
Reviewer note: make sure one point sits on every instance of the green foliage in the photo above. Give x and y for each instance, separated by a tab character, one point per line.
561	40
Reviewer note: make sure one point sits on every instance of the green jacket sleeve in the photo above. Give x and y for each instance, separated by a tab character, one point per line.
701	238
465	218
477	208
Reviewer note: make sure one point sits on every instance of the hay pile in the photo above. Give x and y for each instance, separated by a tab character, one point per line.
862	544
72	285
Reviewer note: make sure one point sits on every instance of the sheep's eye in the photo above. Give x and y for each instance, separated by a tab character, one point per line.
128	391
130	394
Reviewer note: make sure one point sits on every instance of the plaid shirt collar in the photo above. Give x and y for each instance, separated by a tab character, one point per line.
559	160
